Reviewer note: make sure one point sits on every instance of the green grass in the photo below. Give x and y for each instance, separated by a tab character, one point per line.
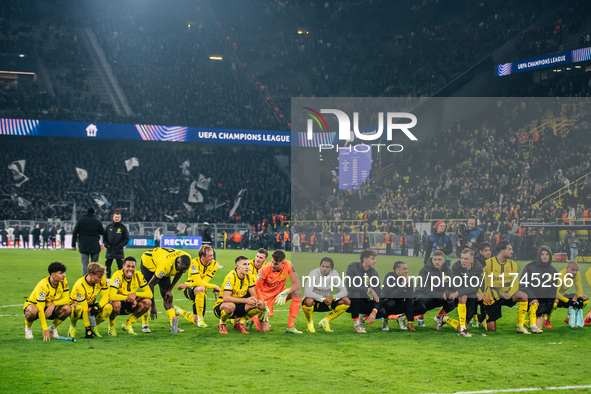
200	360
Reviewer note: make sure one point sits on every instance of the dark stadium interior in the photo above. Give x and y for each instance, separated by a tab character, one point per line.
120	62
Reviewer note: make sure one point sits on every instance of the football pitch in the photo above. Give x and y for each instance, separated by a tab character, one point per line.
201	360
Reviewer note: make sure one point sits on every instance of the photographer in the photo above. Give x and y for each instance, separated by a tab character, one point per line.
470	236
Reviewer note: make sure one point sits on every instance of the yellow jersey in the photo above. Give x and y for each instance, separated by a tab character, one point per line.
44	294
238	287
120	286
161	261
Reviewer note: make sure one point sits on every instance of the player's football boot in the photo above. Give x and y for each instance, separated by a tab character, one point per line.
128	329
28	333
201	323
223	329
402	322
440	322
72	332
146	329
326	325
89	334
385	324
358	328
111	331
522	330
311	327
248	325
96	332
535	330
464	333
240	328
53	332
587	320
420	322
293	330
547	324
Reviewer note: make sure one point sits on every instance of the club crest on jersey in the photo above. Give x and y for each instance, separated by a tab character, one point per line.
116	282
79	296
41	295
160	274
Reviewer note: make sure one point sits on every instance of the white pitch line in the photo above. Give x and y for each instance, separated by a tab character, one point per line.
524	389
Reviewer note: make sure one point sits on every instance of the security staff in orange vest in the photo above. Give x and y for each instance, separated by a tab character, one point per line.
403	245
388	244
346	242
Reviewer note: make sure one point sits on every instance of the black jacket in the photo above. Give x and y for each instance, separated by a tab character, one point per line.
402	294
537	278
427	287
469	286
88	232
115	239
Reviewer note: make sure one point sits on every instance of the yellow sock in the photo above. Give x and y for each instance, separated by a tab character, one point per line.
56	323
224	316
170	313
28	324
452	322
145	318
249	314
308	312
132	319
75	315
521	312
585	303
104	314
532	314
188	316
337	311
199	304
554	306
462	315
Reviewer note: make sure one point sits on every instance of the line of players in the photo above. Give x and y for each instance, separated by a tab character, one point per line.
250	291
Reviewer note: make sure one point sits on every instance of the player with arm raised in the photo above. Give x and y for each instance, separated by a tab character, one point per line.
158	266
49	300
318	297
129	294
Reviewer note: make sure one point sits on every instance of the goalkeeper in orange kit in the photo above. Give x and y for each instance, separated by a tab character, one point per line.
270	287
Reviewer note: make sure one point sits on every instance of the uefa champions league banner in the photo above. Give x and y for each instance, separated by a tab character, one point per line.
28	127
181	242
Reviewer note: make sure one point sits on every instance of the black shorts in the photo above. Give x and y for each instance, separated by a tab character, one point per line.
127	308
51	317
494	311
322	307
562	304
239	311
188	292
164	283
545	306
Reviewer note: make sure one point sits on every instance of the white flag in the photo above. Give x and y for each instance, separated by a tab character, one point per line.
194	194
132	162
82	174
18	172
185	168
188	207
237	201
100	200
203	182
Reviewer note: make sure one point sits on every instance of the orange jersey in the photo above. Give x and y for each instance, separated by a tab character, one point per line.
270	283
